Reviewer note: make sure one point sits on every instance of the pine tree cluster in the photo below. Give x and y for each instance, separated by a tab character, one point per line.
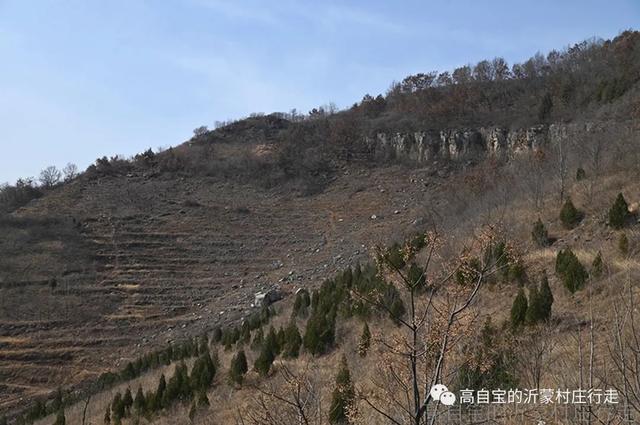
182	386
535	309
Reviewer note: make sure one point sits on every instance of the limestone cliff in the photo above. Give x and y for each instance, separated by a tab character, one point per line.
425	146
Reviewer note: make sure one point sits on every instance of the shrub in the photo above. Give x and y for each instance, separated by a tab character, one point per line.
570	270
580	174
569	215
539	234
619	212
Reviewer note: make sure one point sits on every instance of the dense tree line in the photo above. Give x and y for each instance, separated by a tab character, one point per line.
183	386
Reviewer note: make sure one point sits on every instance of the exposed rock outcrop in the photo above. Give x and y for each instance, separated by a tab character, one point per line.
454	144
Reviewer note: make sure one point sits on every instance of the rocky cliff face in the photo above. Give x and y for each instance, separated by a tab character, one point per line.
456	144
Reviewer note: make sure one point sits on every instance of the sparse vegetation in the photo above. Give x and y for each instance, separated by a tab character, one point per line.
408	284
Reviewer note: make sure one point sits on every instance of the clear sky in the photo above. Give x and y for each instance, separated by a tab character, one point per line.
87	78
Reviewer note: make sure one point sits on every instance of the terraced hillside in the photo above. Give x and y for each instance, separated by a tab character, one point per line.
162	259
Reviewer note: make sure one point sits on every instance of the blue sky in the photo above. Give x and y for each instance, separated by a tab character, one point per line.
82	79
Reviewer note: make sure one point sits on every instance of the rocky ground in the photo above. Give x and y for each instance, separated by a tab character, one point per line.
163	259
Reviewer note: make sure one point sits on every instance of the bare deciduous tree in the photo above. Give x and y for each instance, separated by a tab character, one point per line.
414	359
534	354
70	172
50	176
292	397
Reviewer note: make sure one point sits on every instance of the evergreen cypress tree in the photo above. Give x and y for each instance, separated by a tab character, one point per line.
159	396
365	341
320	333
293	340
238	368
342	397
597	267
580	174
539	234
619	212
569	215
107	416
519	309
117	407
127	400
140	403
271	341
570	270
265	359
546	299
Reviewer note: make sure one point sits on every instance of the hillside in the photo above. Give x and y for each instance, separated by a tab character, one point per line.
134	255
